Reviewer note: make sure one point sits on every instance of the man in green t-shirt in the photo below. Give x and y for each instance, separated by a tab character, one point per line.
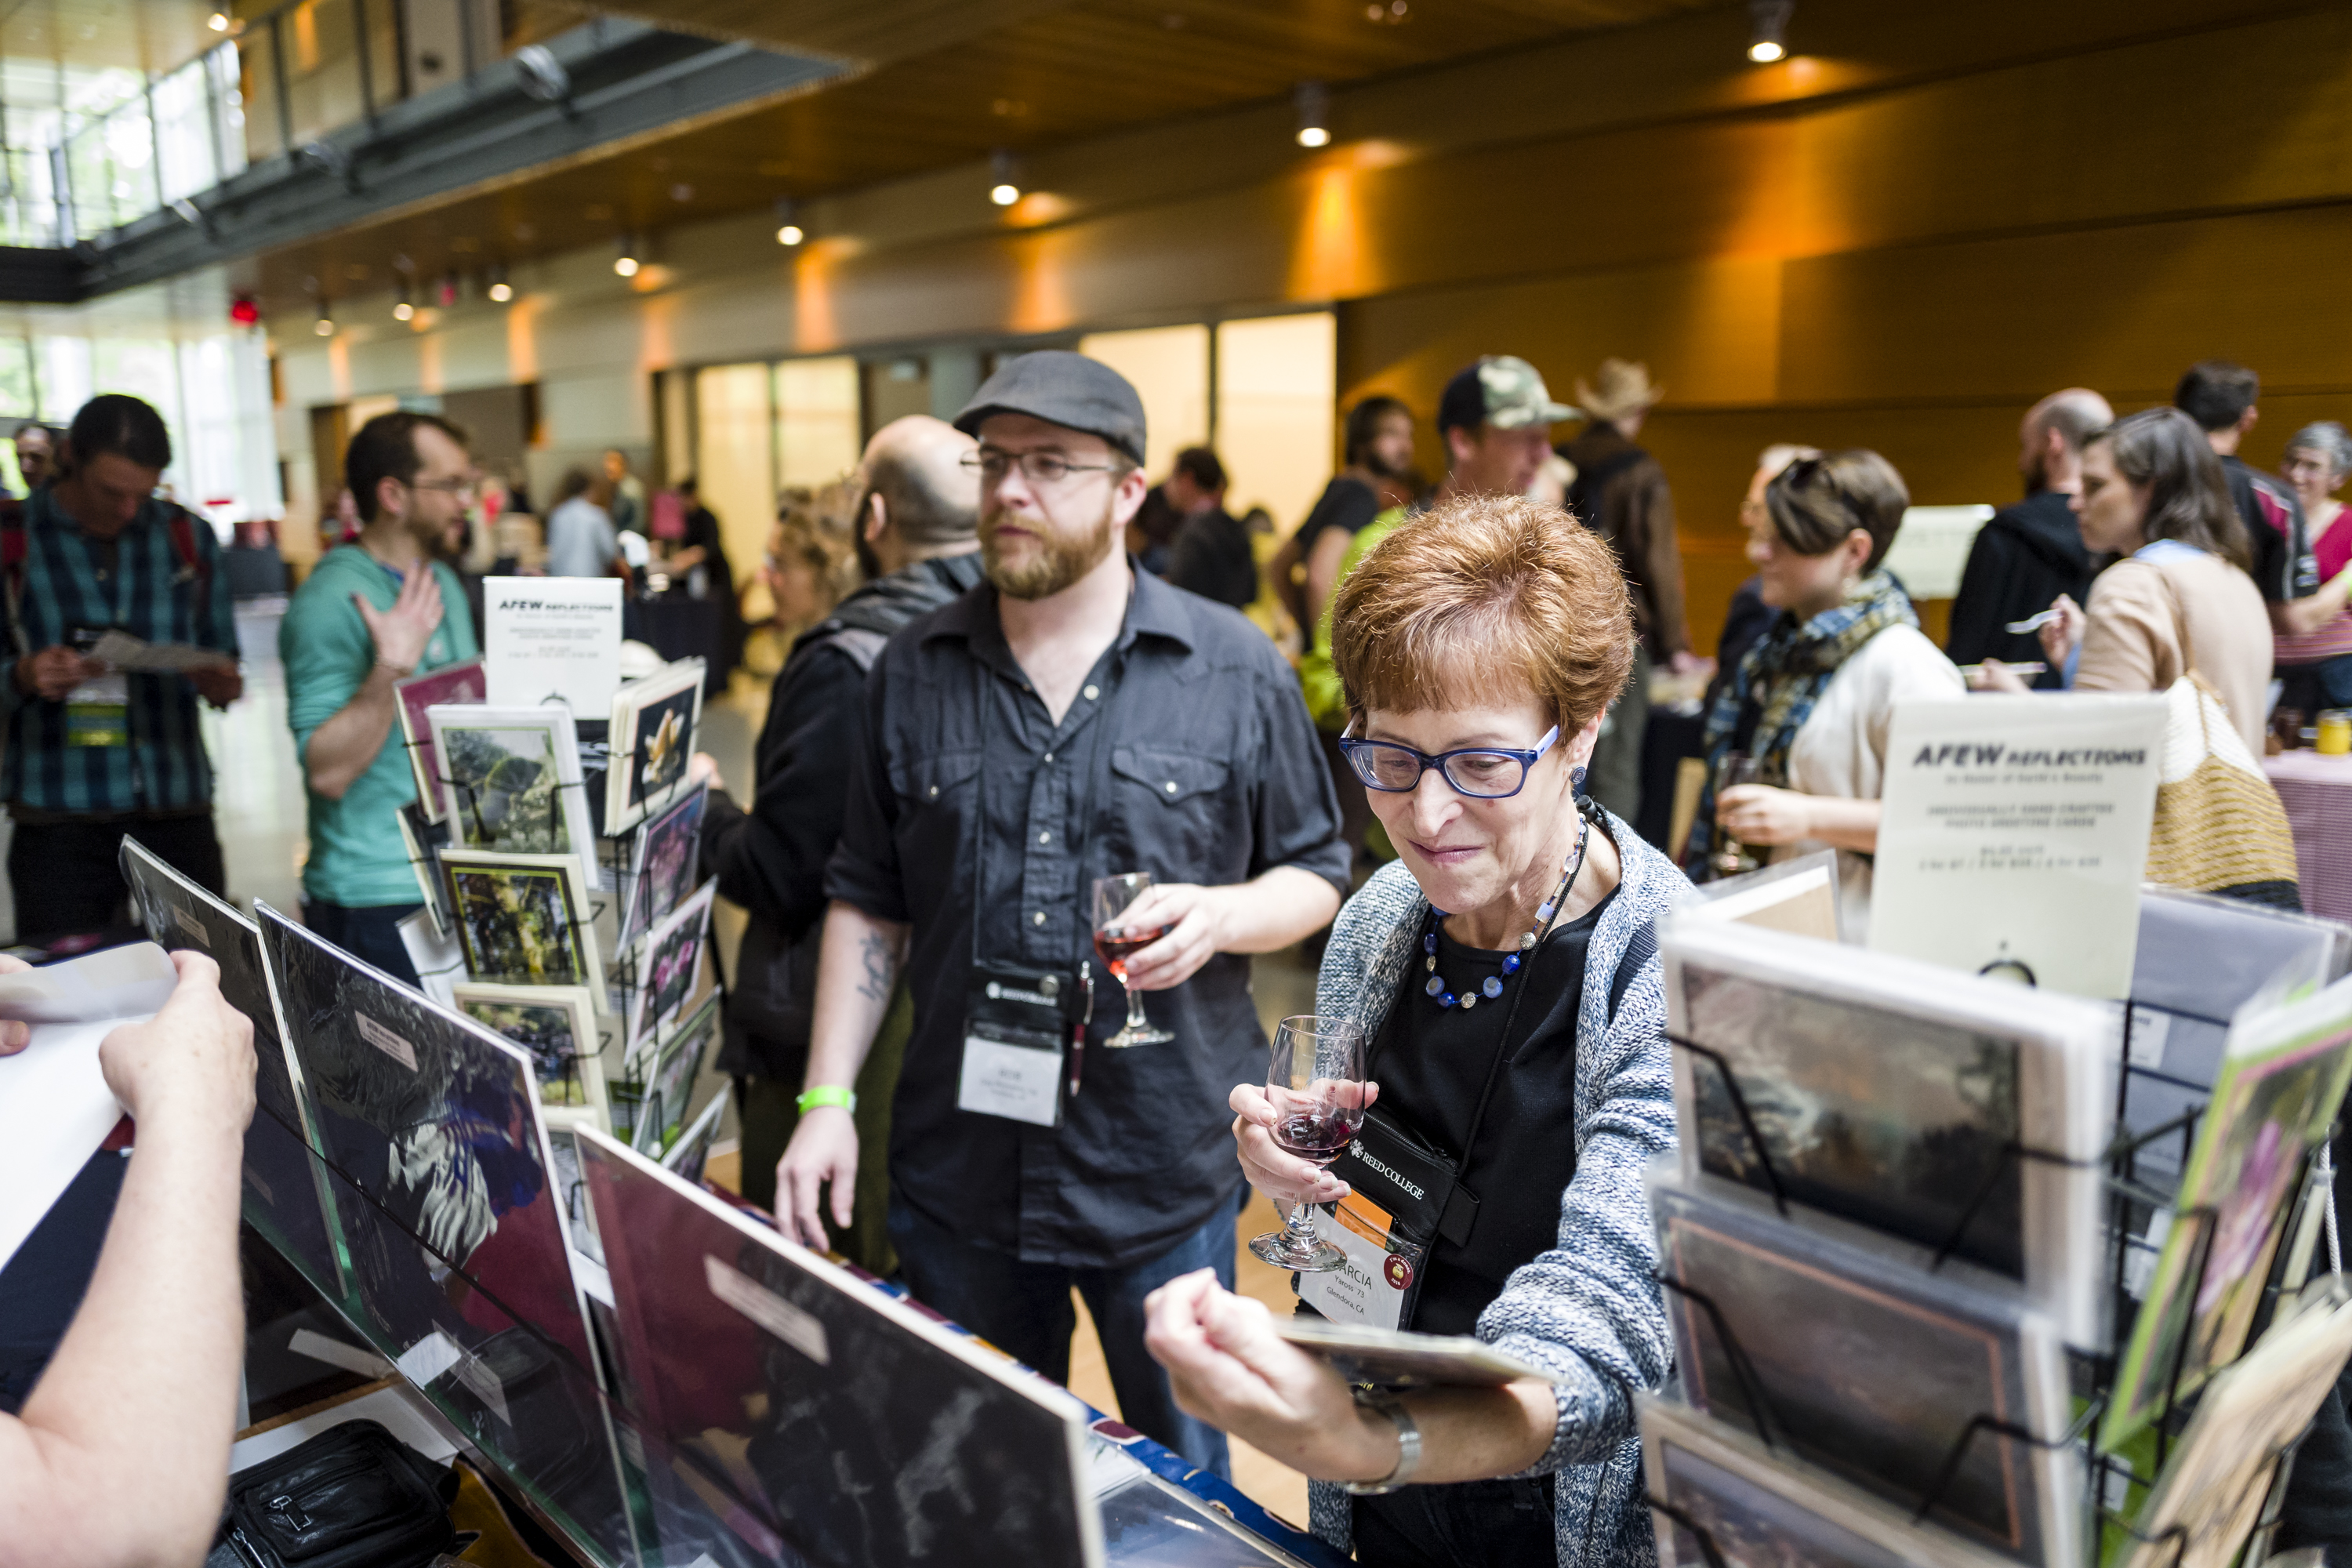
372	613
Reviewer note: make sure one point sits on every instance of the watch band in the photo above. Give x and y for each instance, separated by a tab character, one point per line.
828	1094
1408	1447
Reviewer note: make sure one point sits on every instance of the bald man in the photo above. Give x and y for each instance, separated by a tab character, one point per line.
2030	552
917	511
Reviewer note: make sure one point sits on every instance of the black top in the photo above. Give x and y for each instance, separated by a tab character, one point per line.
1346	502
2023	558
1213	557
1204	769
2284	567
771	860
1431	1063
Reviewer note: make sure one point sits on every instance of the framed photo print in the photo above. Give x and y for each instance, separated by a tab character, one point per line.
690	1151
668	963
557	1025
652	736
453	684
523	920
670	1088
668	849
510	780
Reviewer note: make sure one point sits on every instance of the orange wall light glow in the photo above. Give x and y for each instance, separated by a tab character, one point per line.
1326	258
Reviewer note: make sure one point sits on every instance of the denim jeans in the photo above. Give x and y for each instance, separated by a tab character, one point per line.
368	933
1024	1310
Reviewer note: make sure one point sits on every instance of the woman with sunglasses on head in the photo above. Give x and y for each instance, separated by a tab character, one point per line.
1505	976
1812	701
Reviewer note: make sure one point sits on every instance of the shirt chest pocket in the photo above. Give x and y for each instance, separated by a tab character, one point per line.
1184	820
938	782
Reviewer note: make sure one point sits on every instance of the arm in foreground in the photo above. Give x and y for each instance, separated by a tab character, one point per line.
856	968
142	1392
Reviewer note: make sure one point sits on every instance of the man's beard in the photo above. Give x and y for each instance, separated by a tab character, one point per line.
1062	557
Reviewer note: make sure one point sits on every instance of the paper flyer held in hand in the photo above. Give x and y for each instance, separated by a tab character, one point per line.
55	1107
2014	836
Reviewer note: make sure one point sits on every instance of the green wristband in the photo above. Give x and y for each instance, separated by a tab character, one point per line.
828	1094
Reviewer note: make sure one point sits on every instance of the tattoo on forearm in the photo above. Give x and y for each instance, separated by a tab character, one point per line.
881	956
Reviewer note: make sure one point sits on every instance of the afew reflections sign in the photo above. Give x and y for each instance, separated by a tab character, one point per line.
549	638
2014	836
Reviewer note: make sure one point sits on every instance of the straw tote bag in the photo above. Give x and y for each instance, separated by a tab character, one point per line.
2219	825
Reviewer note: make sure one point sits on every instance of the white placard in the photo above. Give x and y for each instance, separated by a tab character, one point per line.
798	1328
1020	1082
552	638
1931	549
2014	836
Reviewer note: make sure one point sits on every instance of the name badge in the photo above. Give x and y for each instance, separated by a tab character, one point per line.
1011	1079
98	713
1374	1287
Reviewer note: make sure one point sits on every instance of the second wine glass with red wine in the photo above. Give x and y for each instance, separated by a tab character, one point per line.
1315	1081
1117	939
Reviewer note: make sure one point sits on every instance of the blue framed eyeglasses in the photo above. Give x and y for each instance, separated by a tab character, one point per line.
1482	772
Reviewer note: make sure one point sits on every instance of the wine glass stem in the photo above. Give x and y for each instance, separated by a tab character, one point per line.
1135	1018
1302	1227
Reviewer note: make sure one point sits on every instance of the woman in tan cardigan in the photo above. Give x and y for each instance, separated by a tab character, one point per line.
2153	493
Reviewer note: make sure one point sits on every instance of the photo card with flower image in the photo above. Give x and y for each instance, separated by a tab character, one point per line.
2283	1078
453	684
1900	1095
557	1025
1873	1365
287	1195
510	780
1761	1508
655	722
523	920
663	862
668	964
669	1087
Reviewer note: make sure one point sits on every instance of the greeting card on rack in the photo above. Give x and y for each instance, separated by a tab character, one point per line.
524	919
2013	836
510	780
450	685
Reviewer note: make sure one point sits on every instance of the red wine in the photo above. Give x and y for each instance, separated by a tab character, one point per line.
1117	945
1316	1135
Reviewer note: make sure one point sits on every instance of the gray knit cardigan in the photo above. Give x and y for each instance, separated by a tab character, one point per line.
1589	1309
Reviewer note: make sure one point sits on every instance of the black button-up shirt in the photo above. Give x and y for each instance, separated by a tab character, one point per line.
1204	769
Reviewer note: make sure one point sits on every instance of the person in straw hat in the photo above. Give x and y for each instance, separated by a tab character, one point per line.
1620	492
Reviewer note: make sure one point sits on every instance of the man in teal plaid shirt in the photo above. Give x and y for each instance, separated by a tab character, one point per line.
94	752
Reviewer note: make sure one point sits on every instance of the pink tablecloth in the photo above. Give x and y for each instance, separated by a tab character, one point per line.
2318	794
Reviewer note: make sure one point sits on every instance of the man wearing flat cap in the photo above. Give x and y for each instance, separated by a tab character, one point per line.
1069	720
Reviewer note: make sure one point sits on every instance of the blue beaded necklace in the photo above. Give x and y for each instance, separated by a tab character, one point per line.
1493	985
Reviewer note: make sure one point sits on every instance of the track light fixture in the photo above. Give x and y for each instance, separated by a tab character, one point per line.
625	262
1314	115
499	290
1768	30
325	325
788	222
1005	174
402	310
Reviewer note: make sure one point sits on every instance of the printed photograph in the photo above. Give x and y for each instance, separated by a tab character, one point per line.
668	970
686	1155
667	1094
1897	1122
502	788
668	850
453	686
521	924
2268	1111
1868	1369
1752	1526
557	1025
417	838
652	737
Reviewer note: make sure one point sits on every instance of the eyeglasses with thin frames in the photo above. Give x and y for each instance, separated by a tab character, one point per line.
1482	772
1037	468
446	487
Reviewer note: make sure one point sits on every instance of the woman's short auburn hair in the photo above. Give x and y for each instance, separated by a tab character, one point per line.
1477	599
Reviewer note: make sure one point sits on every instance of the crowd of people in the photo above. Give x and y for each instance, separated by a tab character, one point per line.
1012	703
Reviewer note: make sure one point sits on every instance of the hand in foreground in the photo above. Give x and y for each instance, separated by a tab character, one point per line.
401	633
2062	632
704	768
1195	918
1760	814
824	1150
1231	1369
1283	1177
54	671
1994	675
14	1033
192	1059
218	684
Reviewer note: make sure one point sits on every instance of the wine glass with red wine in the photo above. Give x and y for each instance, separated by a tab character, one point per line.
1316	1080
1118	941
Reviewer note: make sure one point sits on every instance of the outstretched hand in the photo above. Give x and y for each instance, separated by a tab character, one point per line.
401	633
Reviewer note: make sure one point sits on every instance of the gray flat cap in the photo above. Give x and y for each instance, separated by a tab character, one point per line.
1066	389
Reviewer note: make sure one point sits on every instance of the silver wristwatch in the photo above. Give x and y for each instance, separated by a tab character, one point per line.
1408	1446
